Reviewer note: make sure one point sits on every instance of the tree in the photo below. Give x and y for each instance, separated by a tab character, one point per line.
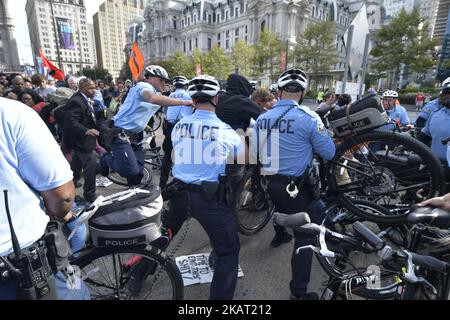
125	72
403	46
184	65
315	51
267	54
242	56
216	63
96	74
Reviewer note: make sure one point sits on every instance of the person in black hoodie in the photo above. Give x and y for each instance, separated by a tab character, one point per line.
235	107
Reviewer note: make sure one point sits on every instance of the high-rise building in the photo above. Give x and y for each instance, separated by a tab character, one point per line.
441	20
9	56
69	45
111	25
91	37
393	7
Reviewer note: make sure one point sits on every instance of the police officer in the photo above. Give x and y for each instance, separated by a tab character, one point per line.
434	105
437	129
173	115
36	181
287	136
143	101
202	146
395	112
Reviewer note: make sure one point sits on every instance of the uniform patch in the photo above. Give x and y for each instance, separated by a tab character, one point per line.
321	129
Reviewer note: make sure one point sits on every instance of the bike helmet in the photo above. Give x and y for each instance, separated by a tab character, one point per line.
203	86
273	88
390	94
293	78
156	71
446	86
180	80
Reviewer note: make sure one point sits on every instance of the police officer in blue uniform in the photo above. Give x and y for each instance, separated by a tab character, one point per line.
395	112
434	105
173	114
217	142
287	136
437	130
143	101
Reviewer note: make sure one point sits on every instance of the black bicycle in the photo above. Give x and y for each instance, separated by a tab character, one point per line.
401	274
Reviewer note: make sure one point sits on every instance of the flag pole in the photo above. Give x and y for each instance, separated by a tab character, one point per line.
56	35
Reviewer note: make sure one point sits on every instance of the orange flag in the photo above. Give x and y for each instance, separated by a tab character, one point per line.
136	61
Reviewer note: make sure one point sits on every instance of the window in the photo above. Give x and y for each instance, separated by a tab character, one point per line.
236	11
226	15
196	42
218	36
209	43
190	45
246	28
227	44
228	34
209	18
236	32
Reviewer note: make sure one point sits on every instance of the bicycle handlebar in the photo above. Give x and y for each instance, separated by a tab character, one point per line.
434	216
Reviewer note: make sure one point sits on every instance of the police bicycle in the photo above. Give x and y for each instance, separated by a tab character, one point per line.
388	168
113	252
399	273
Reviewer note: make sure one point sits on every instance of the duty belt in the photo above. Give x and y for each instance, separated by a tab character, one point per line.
284	179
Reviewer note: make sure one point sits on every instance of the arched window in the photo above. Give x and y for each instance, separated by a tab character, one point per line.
263	25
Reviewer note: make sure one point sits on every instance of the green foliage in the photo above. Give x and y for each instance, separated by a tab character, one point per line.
315	51
216	63
404	41
242	56
267	54
96	74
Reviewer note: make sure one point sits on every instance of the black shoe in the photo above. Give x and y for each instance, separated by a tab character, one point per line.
102	168
306	296
138	273
280	239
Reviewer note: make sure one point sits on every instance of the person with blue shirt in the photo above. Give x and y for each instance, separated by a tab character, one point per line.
434	105
39	184
173	115
437	131
202	146
143	101
396	113
287	136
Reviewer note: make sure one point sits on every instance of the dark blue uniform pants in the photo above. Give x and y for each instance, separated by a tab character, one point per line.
301	263
127	159
220	225
166	165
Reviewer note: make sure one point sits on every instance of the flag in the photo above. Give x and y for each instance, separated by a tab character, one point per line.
54	71
136	61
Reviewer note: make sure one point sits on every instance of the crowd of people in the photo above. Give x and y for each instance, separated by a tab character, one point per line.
78	112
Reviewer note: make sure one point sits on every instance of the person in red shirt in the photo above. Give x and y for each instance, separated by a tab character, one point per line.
420	98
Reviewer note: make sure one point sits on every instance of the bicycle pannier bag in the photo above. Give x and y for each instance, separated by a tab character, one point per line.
128	218
361	116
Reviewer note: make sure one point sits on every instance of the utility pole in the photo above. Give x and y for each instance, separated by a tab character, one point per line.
56	35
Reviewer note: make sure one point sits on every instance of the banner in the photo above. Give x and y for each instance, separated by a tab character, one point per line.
283	60
53	70
65	34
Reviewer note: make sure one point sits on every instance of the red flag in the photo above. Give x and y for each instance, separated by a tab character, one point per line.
136	61
54	71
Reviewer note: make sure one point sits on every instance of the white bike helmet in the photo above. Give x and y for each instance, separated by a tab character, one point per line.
390	94
156	71
203	86
293	78
273	88
446	85
180	80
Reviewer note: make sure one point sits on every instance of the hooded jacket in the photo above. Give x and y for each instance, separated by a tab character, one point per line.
235	108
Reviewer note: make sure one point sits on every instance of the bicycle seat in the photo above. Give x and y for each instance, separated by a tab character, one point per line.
291	220
433	216
412	159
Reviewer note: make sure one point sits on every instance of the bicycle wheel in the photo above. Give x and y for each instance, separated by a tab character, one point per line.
389	169
121	181
252	207
104	271
358	264
155	122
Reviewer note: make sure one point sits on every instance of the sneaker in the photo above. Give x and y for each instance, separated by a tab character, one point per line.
103	168
280	239
306	296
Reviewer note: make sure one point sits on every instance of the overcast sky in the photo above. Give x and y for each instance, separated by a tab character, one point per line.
22	35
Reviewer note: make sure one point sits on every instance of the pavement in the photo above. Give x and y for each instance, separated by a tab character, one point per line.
267	270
